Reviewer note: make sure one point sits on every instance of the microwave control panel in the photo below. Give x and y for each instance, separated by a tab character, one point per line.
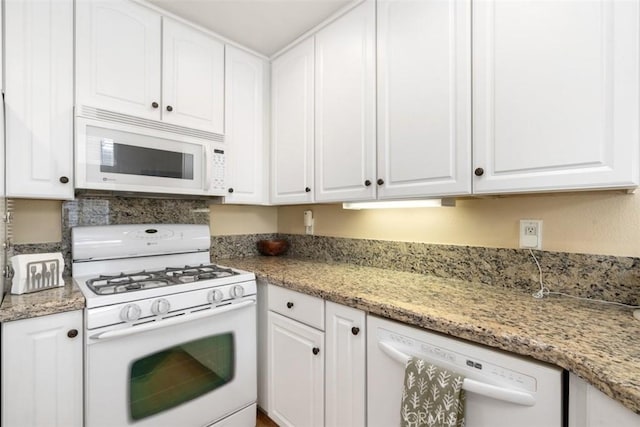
218	170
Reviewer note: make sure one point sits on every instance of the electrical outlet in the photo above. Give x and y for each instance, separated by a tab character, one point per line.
531	233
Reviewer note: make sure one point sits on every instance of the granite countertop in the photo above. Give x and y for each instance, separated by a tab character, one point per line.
598	342
35	304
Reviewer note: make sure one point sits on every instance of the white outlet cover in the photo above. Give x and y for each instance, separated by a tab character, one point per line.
528	240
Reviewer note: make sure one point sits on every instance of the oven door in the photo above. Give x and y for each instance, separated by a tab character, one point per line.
190	370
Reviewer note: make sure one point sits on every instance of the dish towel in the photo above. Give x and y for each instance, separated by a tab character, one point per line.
431	396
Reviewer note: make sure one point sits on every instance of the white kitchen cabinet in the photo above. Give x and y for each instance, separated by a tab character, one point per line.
133	61
118	49
246	93
424	98
42	371
193	78
589	407
296	372
345	107
292	112
555	95
39	98
345	387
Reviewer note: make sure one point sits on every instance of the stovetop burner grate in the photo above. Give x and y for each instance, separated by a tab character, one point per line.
121	283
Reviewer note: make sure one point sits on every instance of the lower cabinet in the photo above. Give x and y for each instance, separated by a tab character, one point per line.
315	368
42	371
346	368
589	407
296	373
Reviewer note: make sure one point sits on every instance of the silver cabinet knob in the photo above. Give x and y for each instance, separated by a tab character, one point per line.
130	313
160	306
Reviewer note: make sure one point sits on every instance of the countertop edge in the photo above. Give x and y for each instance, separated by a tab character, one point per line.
42	303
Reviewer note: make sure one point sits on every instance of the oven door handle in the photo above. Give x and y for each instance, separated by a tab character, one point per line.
472	386
118	333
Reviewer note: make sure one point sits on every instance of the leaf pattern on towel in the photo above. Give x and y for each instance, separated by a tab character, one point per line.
431	396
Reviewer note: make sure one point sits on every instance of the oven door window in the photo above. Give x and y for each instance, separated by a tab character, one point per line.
168	378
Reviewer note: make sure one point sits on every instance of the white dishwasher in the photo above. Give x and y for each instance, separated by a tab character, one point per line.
501	389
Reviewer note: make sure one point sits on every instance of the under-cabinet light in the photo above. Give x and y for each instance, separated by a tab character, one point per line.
401	204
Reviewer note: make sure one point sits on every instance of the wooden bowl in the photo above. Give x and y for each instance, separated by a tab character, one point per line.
273	247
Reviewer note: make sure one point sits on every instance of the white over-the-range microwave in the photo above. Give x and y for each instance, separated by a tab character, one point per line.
124	154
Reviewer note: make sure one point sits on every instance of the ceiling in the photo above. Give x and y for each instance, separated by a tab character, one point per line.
265	26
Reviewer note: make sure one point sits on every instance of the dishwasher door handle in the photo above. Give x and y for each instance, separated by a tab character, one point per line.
472	386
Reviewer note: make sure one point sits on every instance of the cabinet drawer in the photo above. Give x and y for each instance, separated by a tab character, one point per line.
301	307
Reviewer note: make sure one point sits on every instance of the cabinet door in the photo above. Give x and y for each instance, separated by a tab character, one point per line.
555	94
345	132
42	371
296	374
292	125
424	98
245	116
39	98
589	407
193	78
345	387
118	57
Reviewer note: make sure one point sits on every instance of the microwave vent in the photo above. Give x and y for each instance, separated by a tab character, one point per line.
110	116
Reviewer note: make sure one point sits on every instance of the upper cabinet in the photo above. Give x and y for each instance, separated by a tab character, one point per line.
345	107
292	107
323	114
39	98
192	78
504	97
424	98
246	92
118	47
131	60
555	95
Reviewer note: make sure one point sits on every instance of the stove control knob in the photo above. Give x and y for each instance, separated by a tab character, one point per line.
130	313
215	296
237	291
160	306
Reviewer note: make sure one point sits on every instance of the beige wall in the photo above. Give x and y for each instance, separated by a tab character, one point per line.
37	221
598	222
231	219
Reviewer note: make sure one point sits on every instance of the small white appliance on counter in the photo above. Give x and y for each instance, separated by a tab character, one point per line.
170	337
502	390
36	272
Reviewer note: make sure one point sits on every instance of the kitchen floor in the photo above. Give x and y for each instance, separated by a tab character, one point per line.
264	421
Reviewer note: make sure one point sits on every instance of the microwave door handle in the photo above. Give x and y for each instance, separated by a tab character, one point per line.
170	322
472	386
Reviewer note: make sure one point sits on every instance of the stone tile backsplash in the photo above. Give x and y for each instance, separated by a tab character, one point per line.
239	246
590	276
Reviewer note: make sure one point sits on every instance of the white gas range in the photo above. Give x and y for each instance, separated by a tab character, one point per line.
170	337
